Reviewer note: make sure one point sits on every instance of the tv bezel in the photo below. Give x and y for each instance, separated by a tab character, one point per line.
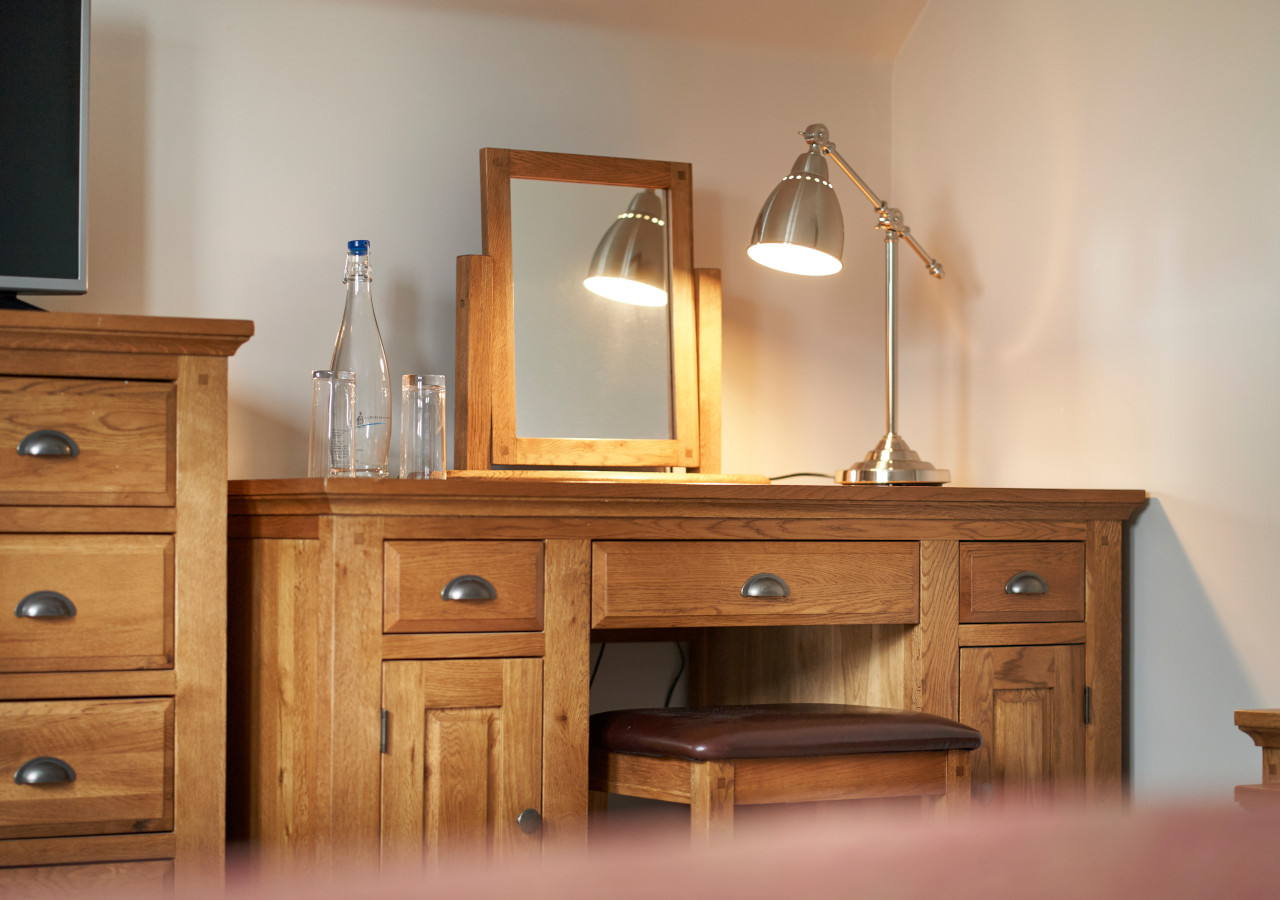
12	284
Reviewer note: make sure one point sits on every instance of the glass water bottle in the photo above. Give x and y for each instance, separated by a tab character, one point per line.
359	349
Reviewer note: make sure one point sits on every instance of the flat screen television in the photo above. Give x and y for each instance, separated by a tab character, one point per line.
44	140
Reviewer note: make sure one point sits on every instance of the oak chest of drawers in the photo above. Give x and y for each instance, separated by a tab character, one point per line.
112	577
412	657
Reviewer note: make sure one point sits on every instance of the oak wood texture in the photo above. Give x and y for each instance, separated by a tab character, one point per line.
417	573
137	536
706	296
987	570
699	583
1028	703
493	320
712	788
1263	725
463	761
122	590
309	648
148	878
122	429
473	369
121	753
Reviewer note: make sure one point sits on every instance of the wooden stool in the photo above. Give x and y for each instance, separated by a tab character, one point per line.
715	758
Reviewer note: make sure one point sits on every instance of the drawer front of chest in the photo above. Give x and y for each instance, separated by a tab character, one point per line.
710	583
66	440
78	602
1022	581
83	767
459	586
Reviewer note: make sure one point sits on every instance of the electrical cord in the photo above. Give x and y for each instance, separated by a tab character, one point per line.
674	681
596	667
801	475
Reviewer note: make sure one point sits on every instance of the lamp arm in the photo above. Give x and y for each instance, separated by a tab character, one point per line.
890	219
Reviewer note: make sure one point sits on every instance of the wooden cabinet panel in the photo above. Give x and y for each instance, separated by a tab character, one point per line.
117	757
701	583
123	431
149	878
463	760
1028	702
420	573
1022	581
114	599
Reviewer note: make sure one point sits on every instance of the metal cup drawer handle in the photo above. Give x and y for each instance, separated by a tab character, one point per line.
1026	583
767	586
469	588
44	770
45	605
47	442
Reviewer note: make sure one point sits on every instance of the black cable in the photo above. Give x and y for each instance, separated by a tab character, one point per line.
596	668
801	475
671	690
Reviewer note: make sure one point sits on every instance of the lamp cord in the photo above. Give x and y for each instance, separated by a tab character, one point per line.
674	681
596	667
801	475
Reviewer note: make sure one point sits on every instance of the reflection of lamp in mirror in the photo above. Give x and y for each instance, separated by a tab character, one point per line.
630	262
800	231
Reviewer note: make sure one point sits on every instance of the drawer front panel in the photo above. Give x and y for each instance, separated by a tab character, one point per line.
77	602
121	754
1025	581
148	878
454	586
655	583
121	431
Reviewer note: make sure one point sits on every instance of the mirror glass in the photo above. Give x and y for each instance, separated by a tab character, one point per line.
585	366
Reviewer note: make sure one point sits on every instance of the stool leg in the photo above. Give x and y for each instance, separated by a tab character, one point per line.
711	801
597	810
959	788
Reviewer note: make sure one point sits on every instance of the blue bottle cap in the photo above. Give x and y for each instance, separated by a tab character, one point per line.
358	248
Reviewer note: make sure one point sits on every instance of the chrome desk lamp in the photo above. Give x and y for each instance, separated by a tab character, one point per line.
800	230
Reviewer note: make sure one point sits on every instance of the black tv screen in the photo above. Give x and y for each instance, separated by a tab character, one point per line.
44	56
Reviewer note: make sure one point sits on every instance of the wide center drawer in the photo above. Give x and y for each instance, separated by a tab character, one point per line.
80	440
649	584
76	602
456	586
86	767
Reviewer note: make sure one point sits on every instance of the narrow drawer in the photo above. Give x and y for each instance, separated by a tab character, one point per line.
77	602
1024	581
450	586
121	754
146	878
649	584
71	440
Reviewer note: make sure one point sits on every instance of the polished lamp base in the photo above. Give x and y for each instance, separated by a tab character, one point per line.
892	462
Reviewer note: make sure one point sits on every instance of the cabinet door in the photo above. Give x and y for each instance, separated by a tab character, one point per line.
463	761
1028	702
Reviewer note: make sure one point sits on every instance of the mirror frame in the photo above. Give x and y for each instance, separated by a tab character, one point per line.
486	327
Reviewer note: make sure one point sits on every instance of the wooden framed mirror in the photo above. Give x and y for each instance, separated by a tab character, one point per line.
550	375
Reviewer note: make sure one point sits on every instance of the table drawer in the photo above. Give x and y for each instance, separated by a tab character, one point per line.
121	754
145	878
451	586
72	437
699	583
76	602
1022	581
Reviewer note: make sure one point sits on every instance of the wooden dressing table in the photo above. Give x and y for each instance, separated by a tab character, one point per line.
372	718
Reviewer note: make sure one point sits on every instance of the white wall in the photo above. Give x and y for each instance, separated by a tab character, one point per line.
237	145
1097	178
1100	179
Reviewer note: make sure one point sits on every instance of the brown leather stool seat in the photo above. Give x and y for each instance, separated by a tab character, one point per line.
713	758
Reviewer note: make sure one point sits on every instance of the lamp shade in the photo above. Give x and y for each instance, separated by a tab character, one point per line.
630	263
800	229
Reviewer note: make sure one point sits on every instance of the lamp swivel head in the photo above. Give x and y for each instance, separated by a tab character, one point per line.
818	134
